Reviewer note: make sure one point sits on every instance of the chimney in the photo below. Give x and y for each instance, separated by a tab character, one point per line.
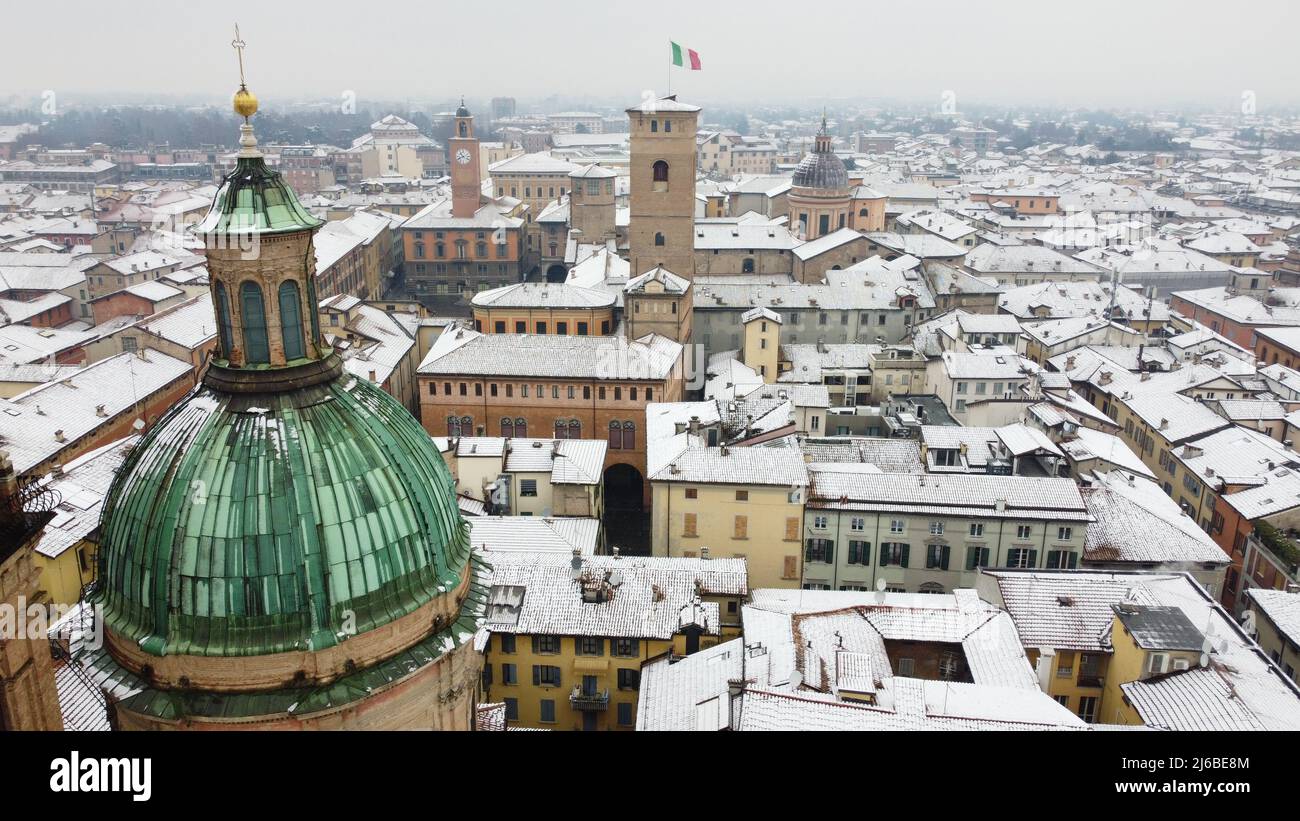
59	437
1164	423
724	450
1105	377
1046	657
704	553
100	411
679	427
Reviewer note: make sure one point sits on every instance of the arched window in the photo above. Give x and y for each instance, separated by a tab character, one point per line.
659	238
933	588
660	173
615	435
507	426
629	435
575	429
521	427
561	429
467	426
223	321
291	321
453	426
463	131
252	311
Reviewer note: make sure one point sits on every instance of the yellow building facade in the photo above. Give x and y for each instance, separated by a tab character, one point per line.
758	519
603	619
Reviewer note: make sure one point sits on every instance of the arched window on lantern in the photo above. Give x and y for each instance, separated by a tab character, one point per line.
223	320
291	321
252	311
660	174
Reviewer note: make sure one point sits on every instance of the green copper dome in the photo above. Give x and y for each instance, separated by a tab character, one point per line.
255	199
258	523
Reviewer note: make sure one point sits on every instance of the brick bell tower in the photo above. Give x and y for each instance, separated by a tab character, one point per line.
462	151
661	231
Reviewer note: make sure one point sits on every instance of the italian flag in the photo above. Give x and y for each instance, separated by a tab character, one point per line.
690	54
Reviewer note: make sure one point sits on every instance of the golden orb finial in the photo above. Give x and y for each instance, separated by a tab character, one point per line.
245	102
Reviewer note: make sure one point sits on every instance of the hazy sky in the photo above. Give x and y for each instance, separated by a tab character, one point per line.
1142	53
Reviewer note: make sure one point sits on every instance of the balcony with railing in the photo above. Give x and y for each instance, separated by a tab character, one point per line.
1279	547
593	700
1090	672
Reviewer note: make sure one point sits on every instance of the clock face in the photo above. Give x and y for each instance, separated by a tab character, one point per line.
462	156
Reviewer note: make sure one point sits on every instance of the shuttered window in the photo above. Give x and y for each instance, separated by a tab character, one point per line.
253	314
291	321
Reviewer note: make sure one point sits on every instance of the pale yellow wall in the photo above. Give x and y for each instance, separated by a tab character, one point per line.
762	346
1128	664
62	578
1065	678
543	504
768	511
473	471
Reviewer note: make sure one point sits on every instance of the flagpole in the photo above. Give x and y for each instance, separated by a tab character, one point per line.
670	69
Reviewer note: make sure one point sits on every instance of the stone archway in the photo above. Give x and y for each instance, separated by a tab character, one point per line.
627	524
557	273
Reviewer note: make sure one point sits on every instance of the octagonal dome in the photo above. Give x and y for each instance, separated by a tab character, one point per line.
256	523
823	171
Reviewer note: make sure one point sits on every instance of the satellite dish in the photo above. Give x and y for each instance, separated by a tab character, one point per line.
796	680
1205	659
881	584
138	424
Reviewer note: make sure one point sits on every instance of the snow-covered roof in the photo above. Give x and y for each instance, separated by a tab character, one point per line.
644	597
1135	521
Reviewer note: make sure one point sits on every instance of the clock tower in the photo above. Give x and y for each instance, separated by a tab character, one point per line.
462	154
